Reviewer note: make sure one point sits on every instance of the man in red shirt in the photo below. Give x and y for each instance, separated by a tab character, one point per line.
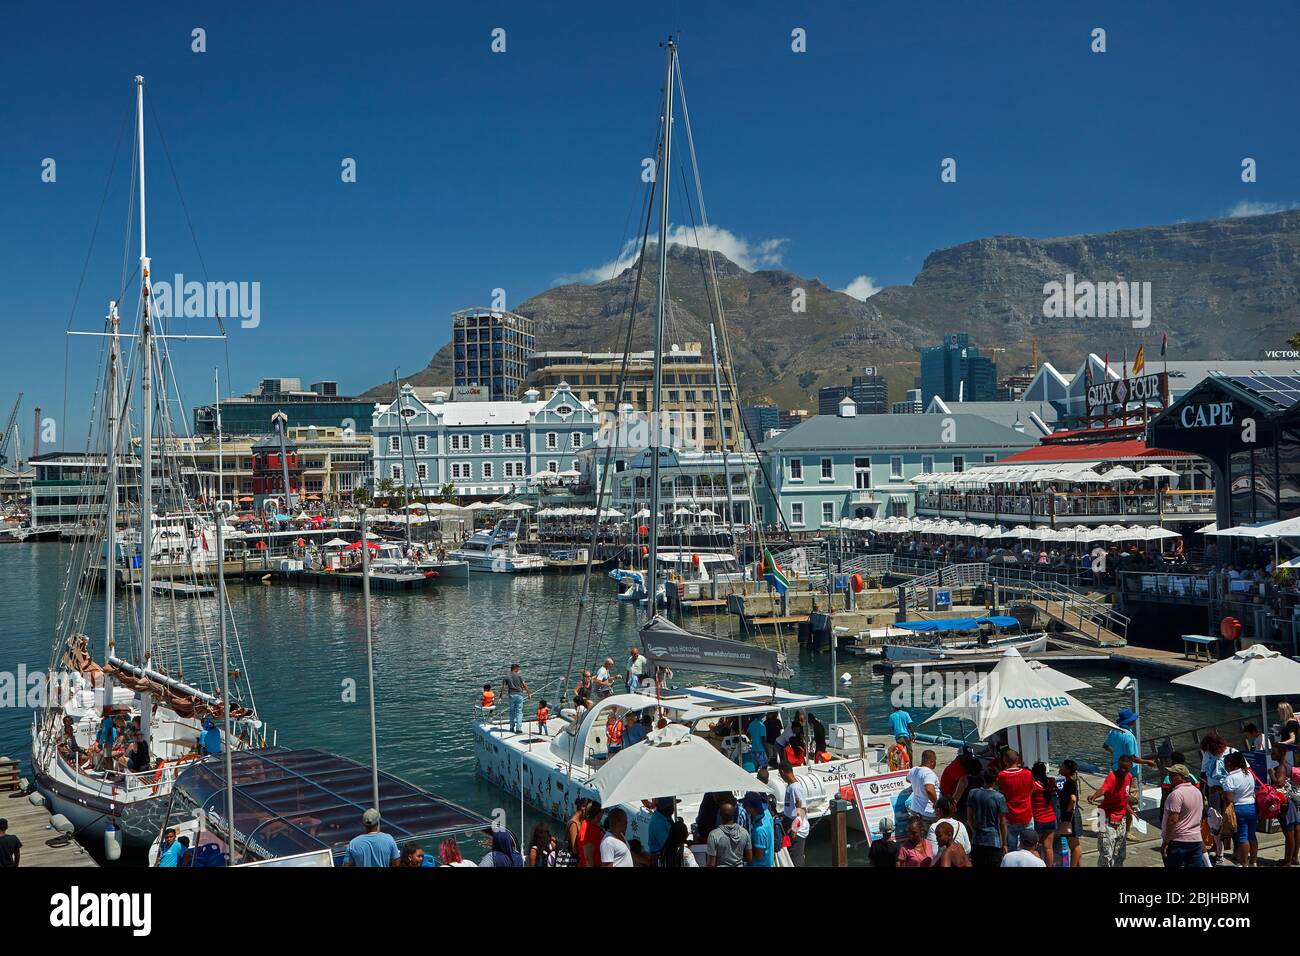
1113	798
1017	784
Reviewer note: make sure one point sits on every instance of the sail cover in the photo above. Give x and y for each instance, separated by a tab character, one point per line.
667	645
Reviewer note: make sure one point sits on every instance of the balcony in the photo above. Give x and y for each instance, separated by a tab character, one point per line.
1074	508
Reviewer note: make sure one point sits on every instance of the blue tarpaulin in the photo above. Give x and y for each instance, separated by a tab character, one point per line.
960	623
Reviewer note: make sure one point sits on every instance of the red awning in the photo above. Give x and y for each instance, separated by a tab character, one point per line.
1052	452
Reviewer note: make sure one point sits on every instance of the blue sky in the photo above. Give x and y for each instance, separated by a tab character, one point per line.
478	170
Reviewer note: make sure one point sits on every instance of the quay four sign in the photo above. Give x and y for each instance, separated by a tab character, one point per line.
1144	388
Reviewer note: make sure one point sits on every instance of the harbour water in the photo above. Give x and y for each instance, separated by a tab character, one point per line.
436	648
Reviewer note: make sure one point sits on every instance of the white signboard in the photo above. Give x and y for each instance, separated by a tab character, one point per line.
875	798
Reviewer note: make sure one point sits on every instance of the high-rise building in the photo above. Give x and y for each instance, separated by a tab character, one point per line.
250	414
868	391
956	371
911	405
491	348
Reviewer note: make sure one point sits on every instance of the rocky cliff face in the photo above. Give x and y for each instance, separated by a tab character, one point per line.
1225	288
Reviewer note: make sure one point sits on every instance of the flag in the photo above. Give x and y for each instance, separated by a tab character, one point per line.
1106	372
773	574
1139	360
1164	344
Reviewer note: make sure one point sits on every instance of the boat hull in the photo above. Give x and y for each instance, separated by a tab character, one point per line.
924	652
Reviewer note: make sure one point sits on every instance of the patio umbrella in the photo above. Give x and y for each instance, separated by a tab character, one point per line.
1120	473
1157	471
1061	681
1257	671
1012	694
335	543
1212	526
672	762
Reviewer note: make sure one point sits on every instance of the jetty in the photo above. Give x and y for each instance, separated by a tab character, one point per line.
30	822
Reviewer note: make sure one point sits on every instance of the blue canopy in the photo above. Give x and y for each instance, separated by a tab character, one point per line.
960	623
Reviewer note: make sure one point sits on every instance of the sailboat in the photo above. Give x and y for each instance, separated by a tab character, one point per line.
141	680
551	767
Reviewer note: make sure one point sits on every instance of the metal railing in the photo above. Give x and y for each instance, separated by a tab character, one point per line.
952	575
1091	615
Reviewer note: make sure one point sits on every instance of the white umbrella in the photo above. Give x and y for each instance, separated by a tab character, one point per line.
481	506
1013	694
335	543
682	511
1238	531
414	506
611	513
1157	534
708	513
1290	528
1120	473
1254	672
1212	526
643	513
672	762
1061	681
1157	471
571	473
1087	477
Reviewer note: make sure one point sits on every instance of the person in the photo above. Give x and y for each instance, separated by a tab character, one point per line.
1026	854
543	715
675	852
542	848
171	850
916	850
944	809
614	732
661	824
1289	730
412	855
1214	750
489	699
586	690
10	846
1043	799
614	850
1122	742
573	829
635	670
504	853
774	727
76	752
1071	826
793	812
949	852
1279	776
818	733
1181	846
757	731
210	739
884	849
590	837
762	837
925	788
1016	784
986	815
137	754
952	780
900	725
372	848
449	854
1254	739
795	754
638	729
106	737
775	784
514	687
1117	810
603	682
729	843
1239	787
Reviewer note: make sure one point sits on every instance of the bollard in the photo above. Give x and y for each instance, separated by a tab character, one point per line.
840	832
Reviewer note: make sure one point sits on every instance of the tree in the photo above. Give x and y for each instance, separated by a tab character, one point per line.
385	488
361	495
1294	341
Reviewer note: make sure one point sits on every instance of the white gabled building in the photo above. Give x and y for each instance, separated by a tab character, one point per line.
484	448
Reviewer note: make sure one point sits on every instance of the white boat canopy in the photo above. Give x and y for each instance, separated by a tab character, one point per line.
671	762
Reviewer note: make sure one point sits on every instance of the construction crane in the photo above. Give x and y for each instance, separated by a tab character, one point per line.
6	437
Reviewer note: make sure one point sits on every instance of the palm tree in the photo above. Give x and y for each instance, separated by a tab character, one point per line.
385	489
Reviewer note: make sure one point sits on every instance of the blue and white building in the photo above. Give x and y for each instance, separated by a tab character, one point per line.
860	466
484	448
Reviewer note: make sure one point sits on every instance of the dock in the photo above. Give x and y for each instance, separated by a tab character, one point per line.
379	581
181	589
30	823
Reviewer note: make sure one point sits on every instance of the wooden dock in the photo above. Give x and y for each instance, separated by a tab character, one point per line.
31	824
180	589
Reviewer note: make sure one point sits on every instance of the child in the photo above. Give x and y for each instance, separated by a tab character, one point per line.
543	713
489	698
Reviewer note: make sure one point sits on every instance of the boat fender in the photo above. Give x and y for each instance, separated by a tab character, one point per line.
112	842
858	583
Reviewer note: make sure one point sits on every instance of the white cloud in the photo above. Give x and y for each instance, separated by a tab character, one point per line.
861	288
749	255
1251	208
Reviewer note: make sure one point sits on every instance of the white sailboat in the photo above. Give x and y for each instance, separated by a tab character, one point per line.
140	680
549	767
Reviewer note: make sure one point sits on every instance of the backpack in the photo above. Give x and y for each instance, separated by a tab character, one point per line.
1268	800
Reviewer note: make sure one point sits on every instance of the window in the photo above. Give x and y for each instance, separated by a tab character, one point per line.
576	439
862	473
927	464
553	467
421	443
487	469
796	512
990	459
422	472
958	462
828	512
394	443
552	440
828	469
796	470
395	472
895	467
487	442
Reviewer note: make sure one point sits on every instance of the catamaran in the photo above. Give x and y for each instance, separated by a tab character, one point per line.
168	685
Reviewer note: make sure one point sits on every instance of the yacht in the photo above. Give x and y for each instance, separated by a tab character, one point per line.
497	550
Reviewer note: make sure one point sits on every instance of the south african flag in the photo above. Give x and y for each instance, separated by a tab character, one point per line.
773	574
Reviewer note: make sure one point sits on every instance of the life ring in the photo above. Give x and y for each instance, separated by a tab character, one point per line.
1230	628
157	777
858	583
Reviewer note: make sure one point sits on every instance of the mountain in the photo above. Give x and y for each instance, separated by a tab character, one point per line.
1223	288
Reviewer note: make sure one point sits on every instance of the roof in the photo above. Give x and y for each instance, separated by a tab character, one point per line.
1004	413
858	432
296	801
1089	451
462	414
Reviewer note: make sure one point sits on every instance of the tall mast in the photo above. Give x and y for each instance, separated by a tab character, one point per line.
216	394
110	496
662	171
722	436
146	428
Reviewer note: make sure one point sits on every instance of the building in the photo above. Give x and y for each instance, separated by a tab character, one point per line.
868	390
688	397
1034	418
491	348
250	414
68	487
859	466
329	462
483	448
759	420
956	371
911	405
691	480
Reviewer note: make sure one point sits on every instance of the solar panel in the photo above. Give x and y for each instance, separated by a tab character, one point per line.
1280	391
